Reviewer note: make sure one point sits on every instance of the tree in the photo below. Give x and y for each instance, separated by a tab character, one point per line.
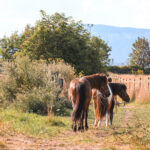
102	48
140	55
58	36
9	46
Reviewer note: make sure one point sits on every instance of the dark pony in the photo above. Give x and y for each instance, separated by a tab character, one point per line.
104	106
80	92
118	89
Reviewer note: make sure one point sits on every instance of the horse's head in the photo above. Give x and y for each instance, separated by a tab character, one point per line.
99	81
123	93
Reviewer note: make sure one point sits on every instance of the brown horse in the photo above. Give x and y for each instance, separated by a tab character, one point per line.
80	92
104	106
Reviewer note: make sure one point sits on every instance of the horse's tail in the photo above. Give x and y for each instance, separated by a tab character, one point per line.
79	102
103	105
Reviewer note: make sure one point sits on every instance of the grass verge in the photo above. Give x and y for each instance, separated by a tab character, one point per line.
17	122
130	129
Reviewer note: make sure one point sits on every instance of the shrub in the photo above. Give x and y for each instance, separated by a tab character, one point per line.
37	101
140	71
60	105
33	85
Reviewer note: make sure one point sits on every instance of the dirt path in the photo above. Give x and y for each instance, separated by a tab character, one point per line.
128	116
21	142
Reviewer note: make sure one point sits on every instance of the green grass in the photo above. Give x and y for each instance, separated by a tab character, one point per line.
130	129
33	124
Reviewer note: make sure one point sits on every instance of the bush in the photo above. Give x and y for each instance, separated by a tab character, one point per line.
35	105
140	72
33	85
61	105
36	101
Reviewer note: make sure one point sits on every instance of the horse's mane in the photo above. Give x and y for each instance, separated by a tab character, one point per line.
97	80
117	87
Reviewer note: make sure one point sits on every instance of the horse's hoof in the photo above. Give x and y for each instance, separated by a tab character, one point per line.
74	129
86	128
79	128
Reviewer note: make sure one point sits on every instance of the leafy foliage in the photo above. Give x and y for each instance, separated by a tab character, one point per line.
140	55
58	36
9	46
32	86
128	70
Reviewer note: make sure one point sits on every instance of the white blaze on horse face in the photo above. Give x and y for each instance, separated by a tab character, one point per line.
110	96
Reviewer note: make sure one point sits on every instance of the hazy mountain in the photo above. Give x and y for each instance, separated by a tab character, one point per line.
120	39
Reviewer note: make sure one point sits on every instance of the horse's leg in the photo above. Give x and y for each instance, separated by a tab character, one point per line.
111	112
99	123
95	122
79	124
80	127
111	118
74	126
74	121
107	118
86	116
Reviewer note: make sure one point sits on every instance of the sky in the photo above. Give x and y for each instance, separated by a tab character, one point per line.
16	14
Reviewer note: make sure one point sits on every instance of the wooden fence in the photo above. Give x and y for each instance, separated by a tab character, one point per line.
138	86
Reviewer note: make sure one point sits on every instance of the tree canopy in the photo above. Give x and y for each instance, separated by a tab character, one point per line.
140	55
57	36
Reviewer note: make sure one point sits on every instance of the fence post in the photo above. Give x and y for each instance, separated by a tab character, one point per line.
148	83
140	82
129	83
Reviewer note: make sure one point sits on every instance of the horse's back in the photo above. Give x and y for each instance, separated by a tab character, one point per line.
86	82
71	89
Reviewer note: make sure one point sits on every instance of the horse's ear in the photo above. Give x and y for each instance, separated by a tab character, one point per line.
109	79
